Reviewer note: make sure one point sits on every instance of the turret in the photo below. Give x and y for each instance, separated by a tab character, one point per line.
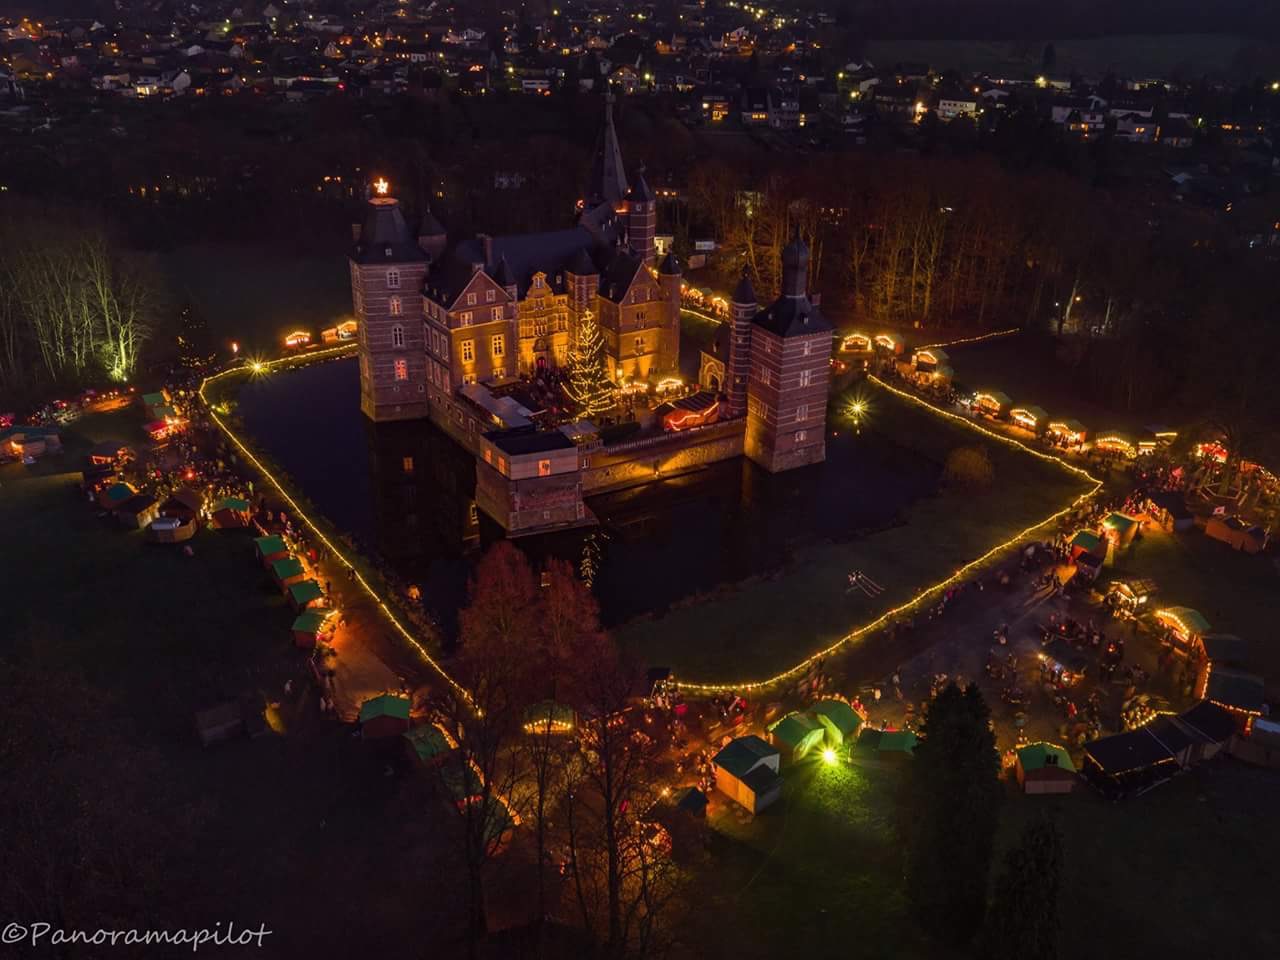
642	219
742	309
670	280
388	267
582	282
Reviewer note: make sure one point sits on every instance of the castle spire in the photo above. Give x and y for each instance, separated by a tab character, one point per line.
608	180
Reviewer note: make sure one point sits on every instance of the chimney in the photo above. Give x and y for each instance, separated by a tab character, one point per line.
355	232
486	242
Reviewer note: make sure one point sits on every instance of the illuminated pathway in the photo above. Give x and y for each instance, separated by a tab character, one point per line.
257	367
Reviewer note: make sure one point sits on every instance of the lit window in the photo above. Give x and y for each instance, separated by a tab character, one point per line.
639	345
468	351
499	372
464	318
397	336
402	369
393	279
800	436
502	464
406	464
499	344
495	313
544	468
488	296
488	456
805	375
471	299
394	305
802	413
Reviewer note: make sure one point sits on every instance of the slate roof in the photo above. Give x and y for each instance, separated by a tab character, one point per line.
607	182
551	253
1124	752
1210	720
1237	689
386	237
524	440
791	317
670	265
618	276
744	293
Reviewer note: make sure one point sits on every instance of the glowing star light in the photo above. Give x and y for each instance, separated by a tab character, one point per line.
381	186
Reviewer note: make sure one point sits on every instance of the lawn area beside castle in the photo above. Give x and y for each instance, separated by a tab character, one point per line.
819	874
766	624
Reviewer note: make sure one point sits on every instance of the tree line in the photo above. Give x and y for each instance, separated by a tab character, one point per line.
75	307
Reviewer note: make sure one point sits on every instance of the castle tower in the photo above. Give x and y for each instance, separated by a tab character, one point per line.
387	271
742	309
669	280
642	220
790	373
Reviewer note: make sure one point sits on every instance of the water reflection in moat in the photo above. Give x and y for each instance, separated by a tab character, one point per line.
404	492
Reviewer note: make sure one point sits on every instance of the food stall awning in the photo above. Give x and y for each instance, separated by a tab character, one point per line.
1036	415
1189	621
994	396
932	355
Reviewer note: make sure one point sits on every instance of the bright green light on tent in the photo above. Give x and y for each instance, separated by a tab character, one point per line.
828	756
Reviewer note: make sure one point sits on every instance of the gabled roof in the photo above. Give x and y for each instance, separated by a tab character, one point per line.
386	705
619	275
1236	689
427	742
1035	756
287	567
839	714
1210	720
1125	752
796	729
670	265
305	592
310	621
269	545
743	754
1086	540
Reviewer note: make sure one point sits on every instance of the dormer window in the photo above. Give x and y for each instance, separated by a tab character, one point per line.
387	250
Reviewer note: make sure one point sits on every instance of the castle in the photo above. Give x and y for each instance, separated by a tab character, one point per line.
442	328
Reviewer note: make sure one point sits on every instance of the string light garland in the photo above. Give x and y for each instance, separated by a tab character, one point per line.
978	339
264	366
929	592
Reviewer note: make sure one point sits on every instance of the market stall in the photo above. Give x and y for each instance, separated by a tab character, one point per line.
991	403
1116	442
1068	432
310	627
857	343
795	735
1185	626
1029	417
1120	529
890	343
1130	596
1044	768
929	359
384	716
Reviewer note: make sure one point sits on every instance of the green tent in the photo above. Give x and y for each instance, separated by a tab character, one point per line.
1087	541
428	743
798	733
267	546
838	718
1035	756
301	594
153	399
286	569
386	705
1192	622
310	621
118	493
1119	523
237	504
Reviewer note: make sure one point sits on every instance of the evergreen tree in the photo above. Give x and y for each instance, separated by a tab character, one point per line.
1022	921
951	797
589	386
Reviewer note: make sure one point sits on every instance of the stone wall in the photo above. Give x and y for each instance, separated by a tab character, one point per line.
634	463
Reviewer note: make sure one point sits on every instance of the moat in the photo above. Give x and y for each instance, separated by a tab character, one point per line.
403	492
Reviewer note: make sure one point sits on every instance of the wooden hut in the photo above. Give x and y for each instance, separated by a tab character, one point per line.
1131	595
1212	727
1030	417
929	359
173	529
1044	768
890	343
1241	693
1120	529
309	626
384	716
746	770
1237	533
1087	541
1126	762
428	745
839	720
287	571
231	513
991	403
857	343
270	549
1068	432
305	595
1169	509
138	511
795	735
1116	441
183	503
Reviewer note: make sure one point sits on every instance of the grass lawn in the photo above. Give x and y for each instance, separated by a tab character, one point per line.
1185	871
248	831
770	623
257	295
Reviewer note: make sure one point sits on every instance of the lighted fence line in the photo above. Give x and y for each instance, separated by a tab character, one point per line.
929	592
256	367
978	339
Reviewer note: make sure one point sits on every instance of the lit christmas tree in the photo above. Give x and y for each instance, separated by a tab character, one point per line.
589	385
